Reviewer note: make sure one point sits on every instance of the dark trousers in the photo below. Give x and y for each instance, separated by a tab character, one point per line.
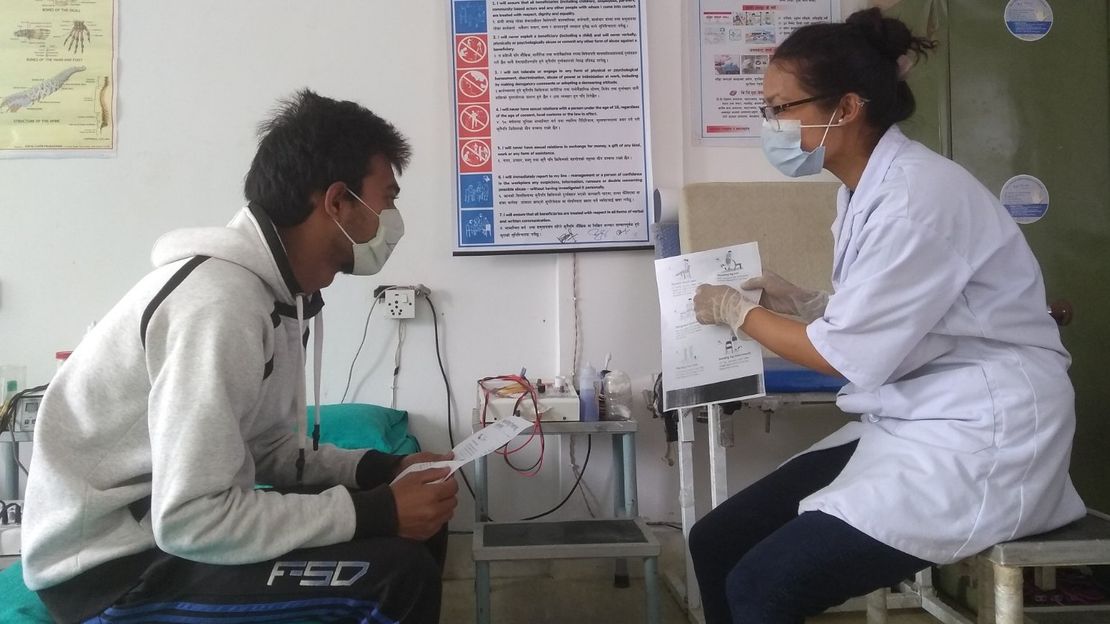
759	562
375	580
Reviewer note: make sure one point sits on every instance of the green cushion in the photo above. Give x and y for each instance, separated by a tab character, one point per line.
19	605
363	426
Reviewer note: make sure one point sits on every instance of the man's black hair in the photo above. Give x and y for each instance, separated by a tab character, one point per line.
310	143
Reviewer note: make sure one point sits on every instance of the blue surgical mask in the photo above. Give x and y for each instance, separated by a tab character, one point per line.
782	145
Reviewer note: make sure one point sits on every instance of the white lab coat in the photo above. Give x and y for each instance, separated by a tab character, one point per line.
938	319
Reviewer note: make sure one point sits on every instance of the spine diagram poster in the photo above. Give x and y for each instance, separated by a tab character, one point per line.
735	41
551	125
704	364
57	76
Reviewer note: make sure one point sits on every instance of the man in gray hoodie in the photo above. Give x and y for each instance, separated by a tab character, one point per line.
142	505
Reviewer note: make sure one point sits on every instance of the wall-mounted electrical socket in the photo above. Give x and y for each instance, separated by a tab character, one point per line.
400	303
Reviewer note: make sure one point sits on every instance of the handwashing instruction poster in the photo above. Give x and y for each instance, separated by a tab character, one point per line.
57	76
734	43
551	125
704	364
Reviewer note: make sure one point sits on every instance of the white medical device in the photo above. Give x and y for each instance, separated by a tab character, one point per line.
26	412
497	399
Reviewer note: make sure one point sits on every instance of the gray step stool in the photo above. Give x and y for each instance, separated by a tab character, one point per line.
1084	542
575	539
999	568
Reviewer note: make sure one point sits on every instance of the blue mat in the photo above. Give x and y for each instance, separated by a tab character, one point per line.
782	377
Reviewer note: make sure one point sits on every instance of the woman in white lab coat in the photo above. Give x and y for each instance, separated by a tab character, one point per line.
937	319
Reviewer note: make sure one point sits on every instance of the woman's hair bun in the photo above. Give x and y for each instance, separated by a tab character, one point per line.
889	36
867	54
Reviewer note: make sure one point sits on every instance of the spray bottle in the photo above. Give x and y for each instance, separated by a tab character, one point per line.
588	383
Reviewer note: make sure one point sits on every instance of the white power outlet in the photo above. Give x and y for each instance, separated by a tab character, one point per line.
400	303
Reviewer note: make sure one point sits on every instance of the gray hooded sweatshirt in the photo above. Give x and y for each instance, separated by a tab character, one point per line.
188	393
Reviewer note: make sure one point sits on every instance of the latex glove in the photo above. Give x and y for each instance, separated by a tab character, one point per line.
721	305
781	296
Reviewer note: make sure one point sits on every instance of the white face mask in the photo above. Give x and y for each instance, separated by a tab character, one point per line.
370	256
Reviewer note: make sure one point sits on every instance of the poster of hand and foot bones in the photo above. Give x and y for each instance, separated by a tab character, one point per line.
57	77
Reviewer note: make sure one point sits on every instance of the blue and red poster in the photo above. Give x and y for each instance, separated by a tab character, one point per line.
551	126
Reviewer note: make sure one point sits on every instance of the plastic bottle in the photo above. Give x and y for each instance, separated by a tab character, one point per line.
588	384
617	390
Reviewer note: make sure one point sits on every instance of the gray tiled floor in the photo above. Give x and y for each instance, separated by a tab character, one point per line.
536	600
580	592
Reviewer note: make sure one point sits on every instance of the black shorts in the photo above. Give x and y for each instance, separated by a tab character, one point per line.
381	580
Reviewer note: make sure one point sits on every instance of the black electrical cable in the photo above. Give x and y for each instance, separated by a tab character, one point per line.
8	415
351	371
451	435
447	386
585	463
8	418
519	469
15	444
15	448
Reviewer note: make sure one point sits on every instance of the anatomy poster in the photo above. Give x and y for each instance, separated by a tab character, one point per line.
57	76
735	41
551	125
704	364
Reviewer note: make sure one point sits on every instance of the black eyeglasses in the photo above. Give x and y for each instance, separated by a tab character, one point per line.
771	113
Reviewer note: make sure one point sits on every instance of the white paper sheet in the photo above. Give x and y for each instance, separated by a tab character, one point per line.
705	364
484	441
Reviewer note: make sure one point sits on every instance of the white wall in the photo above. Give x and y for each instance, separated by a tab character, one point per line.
196	78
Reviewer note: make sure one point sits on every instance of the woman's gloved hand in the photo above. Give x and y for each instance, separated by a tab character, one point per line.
724	305
783	297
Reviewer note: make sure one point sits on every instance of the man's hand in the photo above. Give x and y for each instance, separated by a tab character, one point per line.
417	458
423	506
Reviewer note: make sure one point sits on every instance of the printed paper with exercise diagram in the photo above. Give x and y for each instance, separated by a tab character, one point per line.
484	441
705	364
